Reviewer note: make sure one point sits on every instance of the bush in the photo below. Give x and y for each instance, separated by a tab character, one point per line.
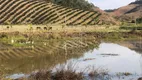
3	35
139	20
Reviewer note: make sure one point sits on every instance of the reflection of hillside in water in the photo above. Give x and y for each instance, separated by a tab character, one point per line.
134	45
43	55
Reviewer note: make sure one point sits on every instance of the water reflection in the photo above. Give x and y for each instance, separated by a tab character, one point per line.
116	57
134	45
26	60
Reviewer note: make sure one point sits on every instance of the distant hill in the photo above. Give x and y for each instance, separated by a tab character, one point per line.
39	12
129	12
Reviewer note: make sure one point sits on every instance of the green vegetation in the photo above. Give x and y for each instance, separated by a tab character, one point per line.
137	2
131	26
26	39
139	20
79	4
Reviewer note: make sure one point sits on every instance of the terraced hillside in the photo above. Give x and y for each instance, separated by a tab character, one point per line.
38	12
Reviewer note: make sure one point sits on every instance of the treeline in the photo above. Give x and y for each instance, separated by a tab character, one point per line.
79	4
137	2
110	10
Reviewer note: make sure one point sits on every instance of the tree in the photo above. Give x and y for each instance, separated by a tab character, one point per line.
80	4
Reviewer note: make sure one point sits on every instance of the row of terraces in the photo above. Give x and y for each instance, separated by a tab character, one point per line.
35	12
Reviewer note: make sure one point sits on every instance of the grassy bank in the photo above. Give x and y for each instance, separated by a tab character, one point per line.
22	39
131	26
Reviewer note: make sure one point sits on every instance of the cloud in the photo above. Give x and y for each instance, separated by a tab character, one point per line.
110	4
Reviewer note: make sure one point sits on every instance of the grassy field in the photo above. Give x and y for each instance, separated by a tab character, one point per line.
131	26
57	28
50	31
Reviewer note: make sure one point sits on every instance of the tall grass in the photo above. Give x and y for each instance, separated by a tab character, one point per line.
69	72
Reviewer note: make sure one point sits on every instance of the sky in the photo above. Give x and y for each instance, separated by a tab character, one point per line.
110	4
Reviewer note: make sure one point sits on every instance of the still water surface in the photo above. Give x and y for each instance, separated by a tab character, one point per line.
114	57
119	57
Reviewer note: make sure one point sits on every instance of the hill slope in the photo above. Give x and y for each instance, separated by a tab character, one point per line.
129	12
38	12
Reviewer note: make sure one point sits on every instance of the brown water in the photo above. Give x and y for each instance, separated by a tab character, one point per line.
117	57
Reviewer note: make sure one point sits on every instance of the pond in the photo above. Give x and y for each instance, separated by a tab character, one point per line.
118	58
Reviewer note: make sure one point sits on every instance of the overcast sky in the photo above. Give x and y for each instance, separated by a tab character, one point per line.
110	4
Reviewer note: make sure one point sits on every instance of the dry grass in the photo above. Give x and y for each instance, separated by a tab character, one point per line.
99	74
58	28
41	75
59	75
67	75
68	72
